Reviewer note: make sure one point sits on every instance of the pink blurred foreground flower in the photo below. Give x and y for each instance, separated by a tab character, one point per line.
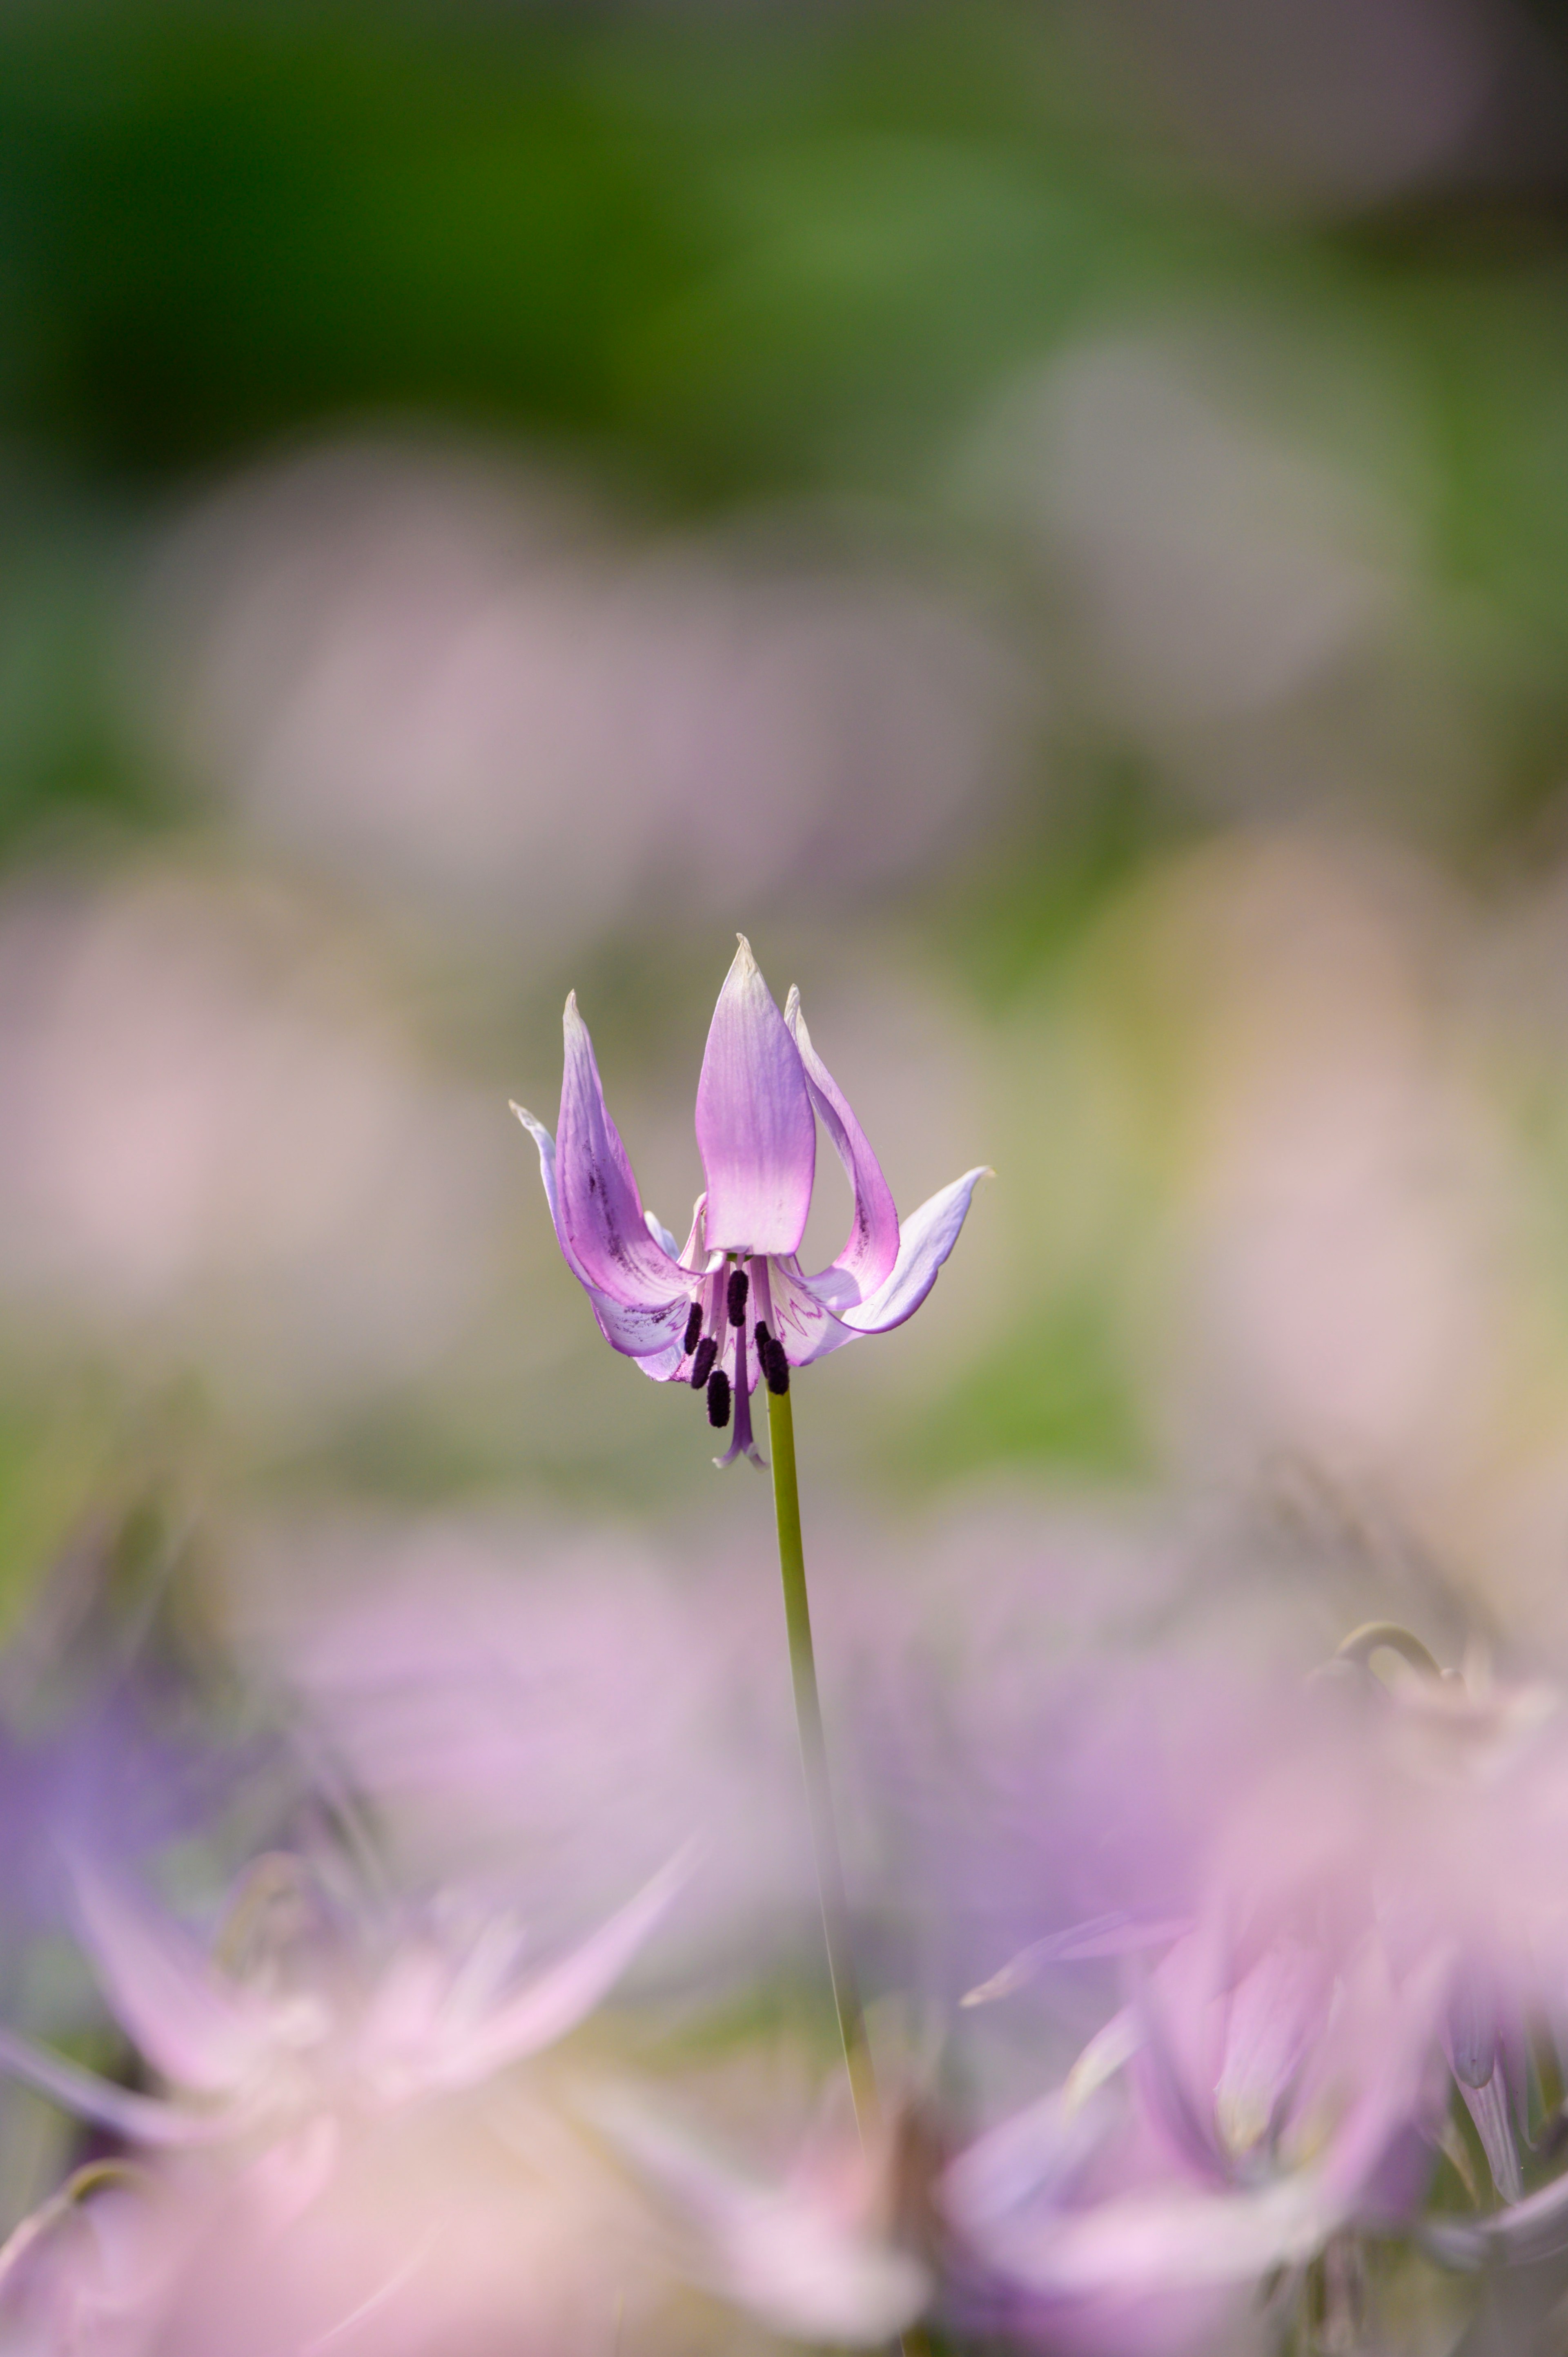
321	2024
736	1287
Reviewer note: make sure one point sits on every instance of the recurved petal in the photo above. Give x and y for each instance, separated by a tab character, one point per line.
648	1332
928	1235
651	1336
598	1209
755	1130
871	1248
546	1146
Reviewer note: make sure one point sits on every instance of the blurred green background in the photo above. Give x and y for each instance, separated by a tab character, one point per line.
1054	519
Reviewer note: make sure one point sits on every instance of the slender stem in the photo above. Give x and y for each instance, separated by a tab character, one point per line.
820	1799
814	1763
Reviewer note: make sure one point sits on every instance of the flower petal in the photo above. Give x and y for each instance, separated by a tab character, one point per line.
929	1234
804	2255
598	1211
559	1998
649	1333
871	1248
140	2120
755	1130
802	1319
193	2029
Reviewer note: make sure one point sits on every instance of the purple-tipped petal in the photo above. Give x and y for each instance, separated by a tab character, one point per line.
599	1216
755	1130
648	1332
929	1234
872	1249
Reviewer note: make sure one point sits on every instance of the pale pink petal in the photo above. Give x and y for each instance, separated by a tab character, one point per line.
196	2029
755	1130
548	2006
140	2120
648	1332
929	1234
790	2254
598	1211
802	1320
871	1248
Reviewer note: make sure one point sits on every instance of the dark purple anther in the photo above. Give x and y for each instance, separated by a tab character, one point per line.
718	1399
770	1358
693	1327
735	1299
702	1365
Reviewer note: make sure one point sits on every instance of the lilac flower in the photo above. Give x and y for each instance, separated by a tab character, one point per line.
735	1292
320	2024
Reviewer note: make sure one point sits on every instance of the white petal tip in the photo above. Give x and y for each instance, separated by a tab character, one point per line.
1001	1984
521	1112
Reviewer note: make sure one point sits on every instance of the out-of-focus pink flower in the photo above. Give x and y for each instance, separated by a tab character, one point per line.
345	2135
318	2024
225	1149
1382	1902
444	673
736	1287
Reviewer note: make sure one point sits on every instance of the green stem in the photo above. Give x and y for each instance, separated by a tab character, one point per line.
814	1764
819	1798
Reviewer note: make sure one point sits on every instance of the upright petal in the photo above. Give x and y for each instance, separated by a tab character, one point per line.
755	1130
872	1246
929	1234
600	1211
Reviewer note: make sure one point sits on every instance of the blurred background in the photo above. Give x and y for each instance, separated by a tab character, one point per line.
1054	519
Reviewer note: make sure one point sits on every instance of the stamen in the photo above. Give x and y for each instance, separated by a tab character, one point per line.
770	1358
739	1287
693	1327
718	1399
702	1365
